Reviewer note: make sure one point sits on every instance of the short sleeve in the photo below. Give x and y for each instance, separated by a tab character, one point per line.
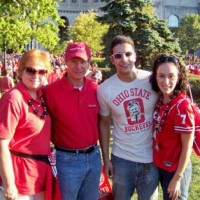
103	99
184	120
9	117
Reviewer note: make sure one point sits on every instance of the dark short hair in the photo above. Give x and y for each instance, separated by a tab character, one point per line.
121	39
182	84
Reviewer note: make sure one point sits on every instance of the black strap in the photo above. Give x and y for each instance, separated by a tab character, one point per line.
77	151
35	157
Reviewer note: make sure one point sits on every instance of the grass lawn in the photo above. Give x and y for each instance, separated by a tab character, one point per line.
195	186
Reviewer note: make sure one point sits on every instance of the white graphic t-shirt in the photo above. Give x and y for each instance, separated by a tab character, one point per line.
131	106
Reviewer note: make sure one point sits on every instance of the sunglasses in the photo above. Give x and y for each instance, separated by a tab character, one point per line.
119	55
31	71
164	59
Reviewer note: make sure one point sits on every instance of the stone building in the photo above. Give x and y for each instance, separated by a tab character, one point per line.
170	10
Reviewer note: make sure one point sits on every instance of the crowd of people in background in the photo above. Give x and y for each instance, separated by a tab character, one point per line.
11	63
58	68
194	68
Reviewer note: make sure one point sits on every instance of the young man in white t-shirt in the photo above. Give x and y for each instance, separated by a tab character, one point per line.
128	98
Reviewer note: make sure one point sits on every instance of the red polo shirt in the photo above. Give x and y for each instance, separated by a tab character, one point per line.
74	113
29	134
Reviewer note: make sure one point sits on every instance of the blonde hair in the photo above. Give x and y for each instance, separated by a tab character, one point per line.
34	57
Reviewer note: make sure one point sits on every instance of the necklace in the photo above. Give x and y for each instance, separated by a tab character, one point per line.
36	111
159	119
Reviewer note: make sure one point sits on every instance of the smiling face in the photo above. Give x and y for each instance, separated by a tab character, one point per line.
76	70
167	77
34	76
32	69
123	58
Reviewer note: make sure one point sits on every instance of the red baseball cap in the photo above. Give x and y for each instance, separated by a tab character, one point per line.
77	49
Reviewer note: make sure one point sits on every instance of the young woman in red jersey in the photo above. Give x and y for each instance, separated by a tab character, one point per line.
173	127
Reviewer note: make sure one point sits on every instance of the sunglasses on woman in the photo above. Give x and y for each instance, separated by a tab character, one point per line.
164	59
31	71
119	55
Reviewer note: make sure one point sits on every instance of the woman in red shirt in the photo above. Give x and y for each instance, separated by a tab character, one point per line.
173	127
25	131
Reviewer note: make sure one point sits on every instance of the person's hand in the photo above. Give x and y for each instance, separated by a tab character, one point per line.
95	76
109	169
11	193
173	189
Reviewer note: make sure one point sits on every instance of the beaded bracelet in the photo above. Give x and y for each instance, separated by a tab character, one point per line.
178	176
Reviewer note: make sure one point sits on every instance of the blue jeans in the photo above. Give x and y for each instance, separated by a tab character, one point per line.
79	175
130	176
165	178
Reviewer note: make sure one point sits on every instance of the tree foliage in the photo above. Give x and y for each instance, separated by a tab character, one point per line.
189	32
138	20
87	29
22	21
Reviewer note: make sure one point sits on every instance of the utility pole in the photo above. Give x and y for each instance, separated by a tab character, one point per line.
4	50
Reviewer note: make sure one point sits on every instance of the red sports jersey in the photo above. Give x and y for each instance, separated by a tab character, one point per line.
167	143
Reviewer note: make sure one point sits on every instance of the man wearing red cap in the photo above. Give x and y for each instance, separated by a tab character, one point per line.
73	106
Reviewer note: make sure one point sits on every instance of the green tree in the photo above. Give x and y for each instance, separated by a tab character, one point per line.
87	29
189	33
22	21
138	20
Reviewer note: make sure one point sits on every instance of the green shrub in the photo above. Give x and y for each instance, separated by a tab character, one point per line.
195	87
